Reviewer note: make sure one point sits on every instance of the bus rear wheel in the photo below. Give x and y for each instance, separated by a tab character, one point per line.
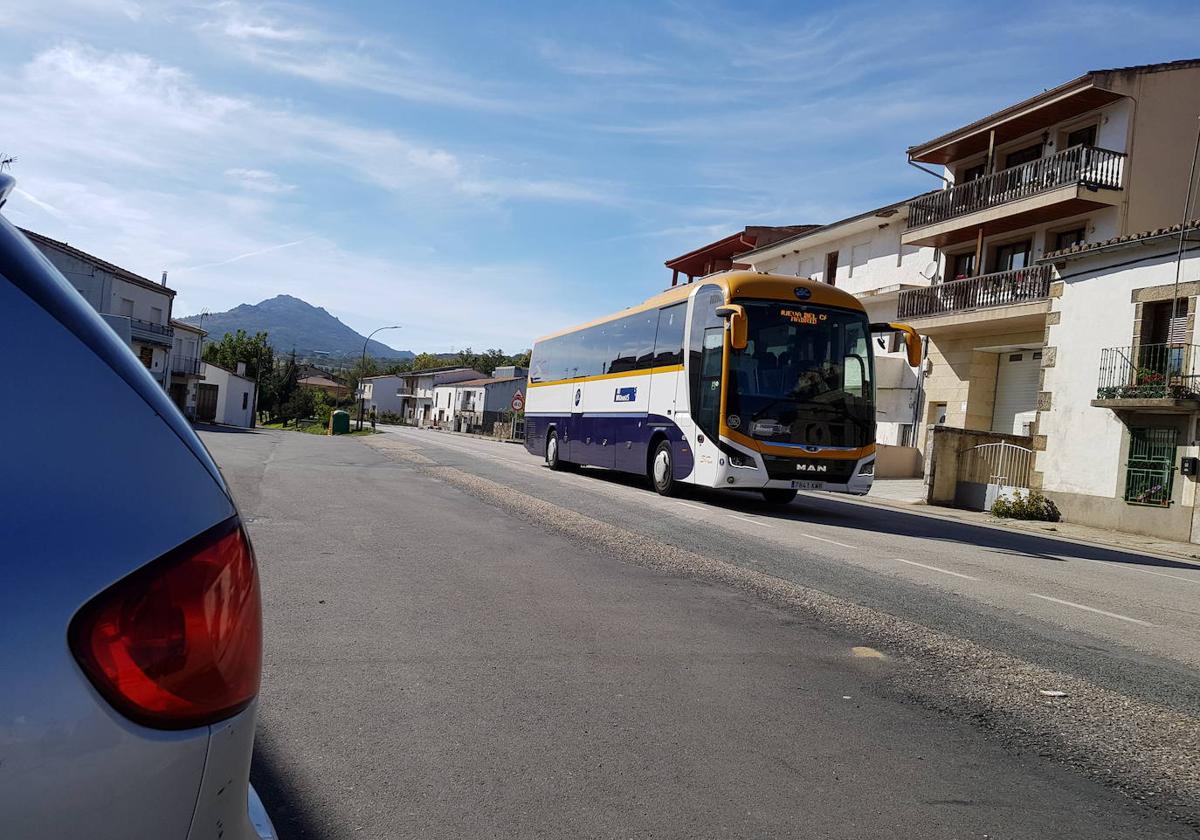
662	470
553	457
778	495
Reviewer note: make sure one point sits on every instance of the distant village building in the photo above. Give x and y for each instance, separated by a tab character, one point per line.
474	405
411	395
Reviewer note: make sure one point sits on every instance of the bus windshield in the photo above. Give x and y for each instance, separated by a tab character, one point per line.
805	377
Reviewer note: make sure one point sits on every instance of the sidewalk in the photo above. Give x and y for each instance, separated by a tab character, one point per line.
909	495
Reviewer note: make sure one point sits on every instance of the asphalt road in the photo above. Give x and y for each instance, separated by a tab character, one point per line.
460	643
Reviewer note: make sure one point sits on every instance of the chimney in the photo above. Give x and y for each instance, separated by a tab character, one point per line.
241	369
164	282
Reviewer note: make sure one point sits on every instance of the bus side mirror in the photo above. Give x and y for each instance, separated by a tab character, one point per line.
912	341
738	327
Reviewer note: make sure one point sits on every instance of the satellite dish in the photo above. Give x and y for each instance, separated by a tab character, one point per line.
930	272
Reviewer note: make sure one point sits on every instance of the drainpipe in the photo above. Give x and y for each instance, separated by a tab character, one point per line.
1187	209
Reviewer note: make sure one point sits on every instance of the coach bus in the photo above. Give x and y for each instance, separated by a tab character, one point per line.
740	380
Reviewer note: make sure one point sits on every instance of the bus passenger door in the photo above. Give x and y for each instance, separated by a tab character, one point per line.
700	391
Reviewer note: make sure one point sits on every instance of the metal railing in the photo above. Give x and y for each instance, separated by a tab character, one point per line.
1148	371
1083	165
151	327
1002	288
186	365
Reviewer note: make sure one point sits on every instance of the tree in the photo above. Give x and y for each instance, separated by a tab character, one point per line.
240	346
425	361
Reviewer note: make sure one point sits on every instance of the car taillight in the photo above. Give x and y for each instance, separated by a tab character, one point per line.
178	643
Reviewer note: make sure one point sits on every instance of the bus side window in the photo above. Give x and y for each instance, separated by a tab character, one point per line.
668	344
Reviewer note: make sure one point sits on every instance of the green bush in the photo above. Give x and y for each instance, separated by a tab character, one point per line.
391	418
1027	505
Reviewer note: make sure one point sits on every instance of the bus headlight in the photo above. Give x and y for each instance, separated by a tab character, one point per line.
868	468
736	459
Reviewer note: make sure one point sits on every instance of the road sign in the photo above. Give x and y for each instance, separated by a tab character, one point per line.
518	401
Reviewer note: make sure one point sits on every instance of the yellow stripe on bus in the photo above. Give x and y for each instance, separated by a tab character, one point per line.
619	375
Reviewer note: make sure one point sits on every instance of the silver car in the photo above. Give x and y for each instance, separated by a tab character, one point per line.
130	622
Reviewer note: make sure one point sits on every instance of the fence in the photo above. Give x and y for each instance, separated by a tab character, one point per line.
1002	288
1148	371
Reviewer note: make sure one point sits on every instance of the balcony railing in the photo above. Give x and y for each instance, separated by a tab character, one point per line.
1003	288
151	327
1085	166
186	365
1149	372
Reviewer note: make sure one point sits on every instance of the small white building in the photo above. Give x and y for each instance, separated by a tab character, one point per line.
1119	405
226	397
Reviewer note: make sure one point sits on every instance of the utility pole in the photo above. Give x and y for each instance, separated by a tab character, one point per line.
362	368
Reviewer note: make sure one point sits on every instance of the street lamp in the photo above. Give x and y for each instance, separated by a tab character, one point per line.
362	367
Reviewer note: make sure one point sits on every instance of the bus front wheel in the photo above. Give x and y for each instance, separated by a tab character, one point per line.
662	470
778	495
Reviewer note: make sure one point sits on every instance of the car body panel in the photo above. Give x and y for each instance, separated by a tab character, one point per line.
100	475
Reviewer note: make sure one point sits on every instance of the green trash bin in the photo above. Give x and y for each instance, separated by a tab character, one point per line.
339	422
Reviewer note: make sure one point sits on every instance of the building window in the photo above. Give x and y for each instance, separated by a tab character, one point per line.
961	266
1025	155
127	307
1151	466
245	400
831	264
1085	136
904	434
972	173
1068	238
1012	256
156	315
146	355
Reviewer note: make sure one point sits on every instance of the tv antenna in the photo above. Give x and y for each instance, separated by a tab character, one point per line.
6	161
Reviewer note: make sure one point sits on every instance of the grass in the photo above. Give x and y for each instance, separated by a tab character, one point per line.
312	429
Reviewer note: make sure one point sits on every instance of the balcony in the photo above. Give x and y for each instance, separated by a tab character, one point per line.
185	365
1161	377
1069	182
150	332
987	291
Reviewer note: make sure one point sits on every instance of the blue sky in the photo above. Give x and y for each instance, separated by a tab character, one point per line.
483	173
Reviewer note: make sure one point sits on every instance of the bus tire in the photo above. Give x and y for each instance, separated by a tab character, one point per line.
662	470
553	457
778	495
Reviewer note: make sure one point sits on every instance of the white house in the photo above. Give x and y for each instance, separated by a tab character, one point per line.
863	255
139	310
411	395
475	404
226	397
1119	407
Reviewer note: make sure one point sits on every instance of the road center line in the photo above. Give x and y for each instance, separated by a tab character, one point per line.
751	521
1092	609
822	539
934	568
693	507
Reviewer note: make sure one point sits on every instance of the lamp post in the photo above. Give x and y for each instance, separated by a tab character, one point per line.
362	367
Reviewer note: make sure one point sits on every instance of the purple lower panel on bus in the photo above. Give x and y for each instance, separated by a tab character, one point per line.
616	441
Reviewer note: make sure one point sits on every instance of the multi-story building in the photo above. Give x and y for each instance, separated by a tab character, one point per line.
139	310
185	366
1100	156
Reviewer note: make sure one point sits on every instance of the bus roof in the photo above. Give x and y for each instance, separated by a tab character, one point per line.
736	285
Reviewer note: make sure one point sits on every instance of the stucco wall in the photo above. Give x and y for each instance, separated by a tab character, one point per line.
1083	444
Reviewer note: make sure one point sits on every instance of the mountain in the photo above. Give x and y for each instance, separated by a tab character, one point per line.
292	323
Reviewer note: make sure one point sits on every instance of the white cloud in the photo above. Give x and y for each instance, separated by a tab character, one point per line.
259	180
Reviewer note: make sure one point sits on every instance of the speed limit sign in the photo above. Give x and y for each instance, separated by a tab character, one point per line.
518	401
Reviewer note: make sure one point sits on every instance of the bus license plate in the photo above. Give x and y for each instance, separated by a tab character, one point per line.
806	485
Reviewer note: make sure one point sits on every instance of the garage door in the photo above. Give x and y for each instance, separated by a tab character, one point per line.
1016	389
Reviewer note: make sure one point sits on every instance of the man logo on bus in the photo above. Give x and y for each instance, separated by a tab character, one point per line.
812	467
802	293
578	395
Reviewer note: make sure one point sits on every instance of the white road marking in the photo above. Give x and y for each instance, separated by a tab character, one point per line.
823	539
1092	609
1126	567
693	507
934	568
751	521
